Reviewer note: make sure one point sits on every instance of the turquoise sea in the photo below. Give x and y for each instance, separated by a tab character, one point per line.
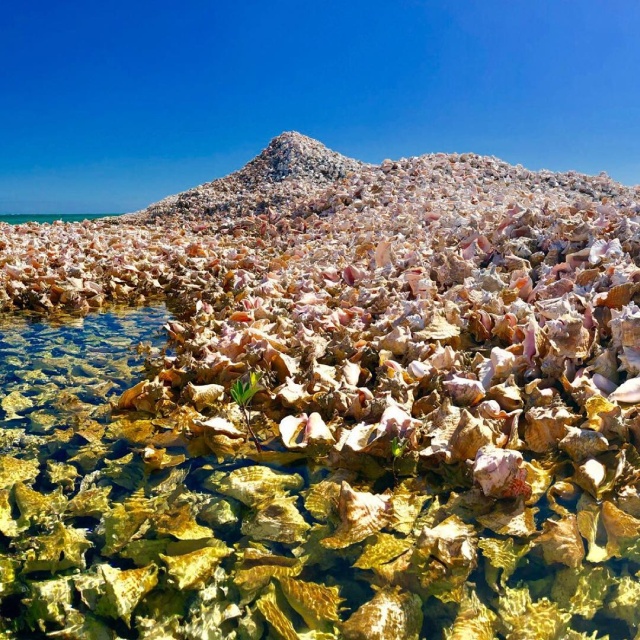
20	218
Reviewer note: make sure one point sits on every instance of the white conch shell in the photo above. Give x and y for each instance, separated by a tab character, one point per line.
628	391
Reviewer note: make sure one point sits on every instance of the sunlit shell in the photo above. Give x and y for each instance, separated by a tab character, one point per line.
583	443
204	396
582	592
391	613
628	392
464	392
361	513
471	435
500	473
546	426
251	485
299	432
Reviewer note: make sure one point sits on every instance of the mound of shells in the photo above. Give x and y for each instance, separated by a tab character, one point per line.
448	419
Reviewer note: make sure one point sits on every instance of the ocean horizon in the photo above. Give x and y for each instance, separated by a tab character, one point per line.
22	218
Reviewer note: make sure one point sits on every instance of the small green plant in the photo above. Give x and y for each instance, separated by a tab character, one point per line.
242	392
398	447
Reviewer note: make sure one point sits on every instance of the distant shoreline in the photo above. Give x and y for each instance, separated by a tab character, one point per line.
22	218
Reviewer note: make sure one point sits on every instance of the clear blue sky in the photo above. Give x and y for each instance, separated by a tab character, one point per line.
108	106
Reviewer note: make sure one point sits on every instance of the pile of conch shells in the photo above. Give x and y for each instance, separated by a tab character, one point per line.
450	358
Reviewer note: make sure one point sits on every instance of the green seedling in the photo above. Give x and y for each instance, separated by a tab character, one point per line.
398	447
242	392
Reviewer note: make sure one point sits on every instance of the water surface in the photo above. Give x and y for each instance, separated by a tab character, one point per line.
20	218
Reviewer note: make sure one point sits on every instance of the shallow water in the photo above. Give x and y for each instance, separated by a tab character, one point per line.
51	369
86	514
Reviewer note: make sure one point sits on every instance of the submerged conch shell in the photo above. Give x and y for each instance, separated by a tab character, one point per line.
361	514
205	396
316	603
391	613
125	589
561	541
444	557
500	473
252	485
193	570
277	520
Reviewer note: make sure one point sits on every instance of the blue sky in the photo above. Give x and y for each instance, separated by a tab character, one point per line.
108	106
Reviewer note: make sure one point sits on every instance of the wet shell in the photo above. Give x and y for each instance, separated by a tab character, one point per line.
125	589
278	520
193	570
391	613
254	484
316	603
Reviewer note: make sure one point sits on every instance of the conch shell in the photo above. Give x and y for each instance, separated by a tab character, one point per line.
500	473
361	514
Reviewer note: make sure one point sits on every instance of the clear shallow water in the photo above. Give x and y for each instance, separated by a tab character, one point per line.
50	369
16	218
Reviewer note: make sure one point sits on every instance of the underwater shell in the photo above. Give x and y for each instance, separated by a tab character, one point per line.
361	514
271	610
254	484
474	620
194	570
383	548
61	549
316	603
391	613
278	520
14	403
125	589
14	470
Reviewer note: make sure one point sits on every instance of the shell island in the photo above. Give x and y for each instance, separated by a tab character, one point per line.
395	401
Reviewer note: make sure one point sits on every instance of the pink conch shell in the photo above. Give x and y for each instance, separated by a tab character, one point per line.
464	392
500	473
299	432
